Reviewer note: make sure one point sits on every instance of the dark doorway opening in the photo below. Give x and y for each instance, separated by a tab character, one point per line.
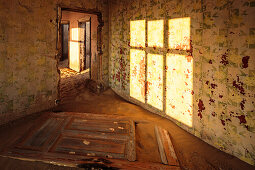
65	39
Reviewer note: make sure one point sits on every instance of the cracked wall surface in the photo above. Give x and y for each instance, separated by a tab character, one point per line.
222	47
28	68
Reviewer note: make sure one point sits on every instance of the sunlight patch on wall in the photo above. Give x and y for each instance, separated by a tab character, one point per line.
74	50
179	68
179	88
156	33
75	34
179	33
137	74
155	80
137	33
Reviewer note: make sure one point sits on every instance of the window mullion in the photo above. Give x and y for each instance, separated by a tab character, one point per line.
146	64
165	47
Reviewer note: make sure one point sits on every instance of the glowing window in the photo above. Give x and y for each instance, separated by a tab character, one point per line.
179	33
179	86
179	68
156	33
155	80
137	33
137	74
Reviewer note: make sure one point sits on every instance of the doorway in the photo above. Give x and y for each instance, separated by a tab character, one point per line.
78	38
65	38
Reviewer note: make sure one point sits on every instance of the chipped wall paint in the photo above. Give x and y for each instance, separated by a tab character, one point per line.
222	51
28	68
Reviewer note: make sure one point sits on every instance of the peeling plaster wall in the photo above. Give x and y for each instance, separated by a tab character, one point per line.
222	47
28	68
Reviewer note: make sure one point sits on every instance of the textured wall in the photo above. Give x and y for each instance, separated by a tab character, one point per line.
222	47
28	72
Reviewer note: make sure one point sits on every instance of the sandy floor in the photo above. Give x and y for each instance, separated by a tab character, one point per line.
191	151
71	82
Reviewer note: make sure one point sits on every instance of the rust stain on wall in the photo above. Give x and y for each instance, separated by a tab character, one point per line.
245	61
201	107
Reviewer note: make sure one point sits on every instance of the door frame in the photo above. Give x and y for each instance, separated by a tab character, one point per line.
98	62
99	29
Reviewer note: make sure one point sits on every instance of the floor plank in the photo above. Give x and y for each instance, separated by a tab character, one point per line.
76	134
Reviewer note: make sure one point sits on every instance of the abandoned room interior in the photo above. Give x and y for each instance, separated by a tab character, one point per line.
127	84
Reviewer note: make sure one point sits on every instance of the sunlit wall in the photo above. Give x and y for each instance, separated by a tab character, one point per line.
179	86
179	72
148	70
156	33
137	33
74	61
137	73
214	44
155	80
179	33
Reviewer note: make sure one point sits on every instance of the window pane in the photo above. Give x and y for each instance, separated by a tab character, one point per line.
155	80
137	74
179	33
137	33
156	33
179	87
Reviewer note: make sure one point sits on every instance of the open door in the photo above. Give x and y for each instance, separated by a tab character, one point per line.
64	39
85	44
84	41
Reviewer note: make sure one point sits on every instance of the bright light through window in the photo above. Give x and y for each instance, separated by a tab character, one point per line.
179	86
155	80
137	33
137	74
178	68
156	33
179	33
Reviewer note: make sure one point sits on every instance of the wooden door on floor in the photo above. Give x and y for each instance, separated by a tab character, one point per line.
72	136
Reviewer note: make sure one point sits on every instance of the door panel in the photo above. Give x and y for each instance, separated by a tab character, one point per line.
65	39
85	45
73	134
82	34
88	45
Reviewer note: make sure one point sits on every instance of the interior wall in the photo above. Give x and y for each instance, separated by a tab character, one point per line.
222	47
74	52
28	68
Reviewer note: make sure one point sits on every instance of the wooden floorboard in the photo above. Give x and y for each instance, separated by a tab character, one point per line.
166	149
81	140
56	134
